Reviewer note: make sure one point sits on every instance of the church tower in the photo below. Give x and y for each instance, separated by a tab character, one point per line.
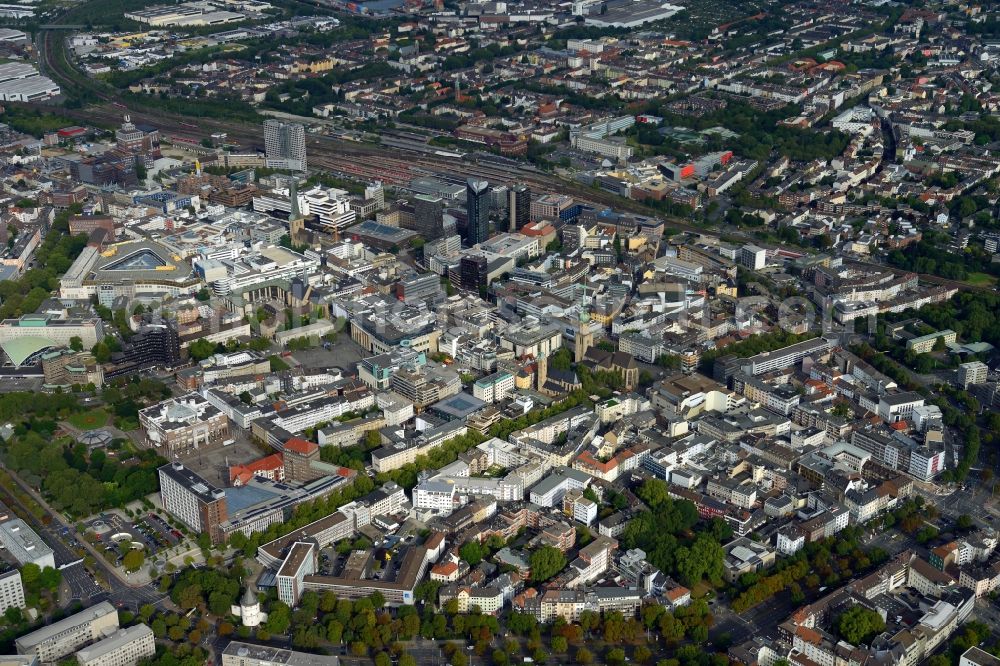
583	339
541	371
296	223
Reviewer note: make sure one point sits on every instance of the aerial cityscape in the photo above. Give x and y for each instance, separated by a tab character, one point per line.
481	333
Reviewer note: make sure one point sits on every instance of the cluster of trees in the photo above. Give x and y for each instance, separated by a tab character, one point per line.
367	628
858	625
31	407
964	421
309	92
546	562
760	132
912	517
214	590
474	552
38	581
987	127
581	638
925	257
79	483
53	257
968	635
127	398
824	562
971	314
666	534
231	107
183	630
33	121
477	55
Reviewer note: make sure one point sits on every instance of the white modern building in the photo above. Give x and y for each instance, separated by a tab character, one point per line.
60	639
125	647
25	545
753	257
495	387
331	206
898	406
438	496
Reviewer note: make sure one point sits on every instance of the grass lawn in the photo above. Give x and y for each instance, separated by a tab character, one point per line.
92	420
980	279
700	590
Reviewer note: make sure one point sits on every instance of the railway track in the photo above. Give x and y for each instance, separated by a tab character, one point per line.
370	161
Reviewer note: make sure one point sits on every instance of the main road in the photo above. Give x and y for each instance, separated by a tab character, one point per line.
81	583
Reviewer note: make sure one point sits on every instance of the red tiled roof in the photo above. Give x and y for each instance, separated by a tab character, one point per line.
300	446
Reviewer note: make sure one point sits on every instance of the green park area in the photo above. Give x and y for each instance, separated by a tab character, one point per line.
89	420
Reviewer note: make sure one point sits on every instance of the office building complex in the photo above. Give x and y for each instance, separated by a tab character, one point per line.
23	339
65	367
785	357
477	206
60	639
188	422
302	561
192	500
156	344
125	647
284	145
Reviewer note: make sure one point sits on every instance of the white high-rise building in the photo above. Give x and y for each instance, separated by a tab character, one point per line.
284	145
974	372
376	192
11	590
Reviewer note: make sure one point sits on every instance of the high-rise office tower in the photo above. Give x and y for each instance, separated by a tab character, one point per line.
472	273
428	216
477	206
518	207
284	145
376	192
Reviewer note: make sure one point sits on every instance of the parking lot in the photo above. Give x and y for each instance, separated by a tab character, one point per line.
344	354
150	531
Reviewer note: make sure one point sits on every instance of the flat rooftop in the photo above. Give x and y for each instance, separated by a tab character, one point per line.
274	655
29	641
